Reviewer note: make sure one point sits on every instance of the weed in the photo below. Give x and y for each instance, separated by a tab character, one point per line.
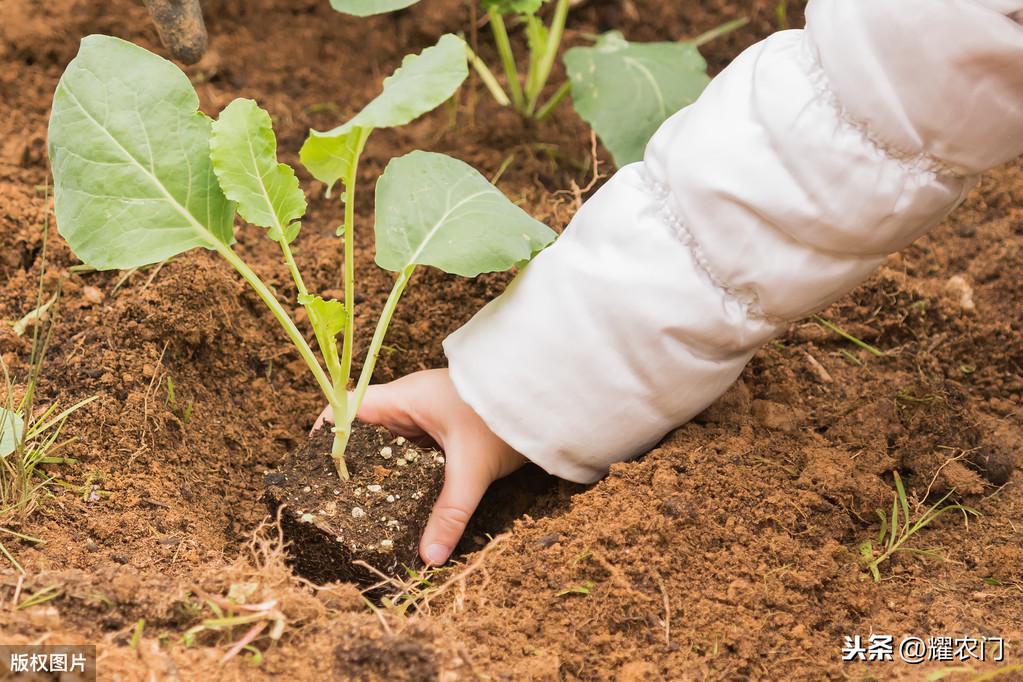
847	336
30	439
897	529
583	589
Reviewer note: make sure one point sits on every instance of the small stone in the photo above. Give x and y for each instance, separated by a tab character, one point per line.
92	294
777	417
390	498
307	518
373	488
416	495
387	543
548	540
357	513
307	489
400	440
386	452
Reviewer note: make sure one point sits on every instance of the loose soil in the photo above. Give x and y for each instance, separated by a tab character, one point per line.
374	518
728	552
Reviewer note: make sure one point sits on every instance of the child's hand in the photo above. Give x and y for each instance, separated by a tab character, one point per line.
426	404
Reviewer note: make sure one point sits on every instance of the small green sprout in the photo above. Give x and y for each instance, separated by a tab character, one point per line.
896	530
583	589
827	324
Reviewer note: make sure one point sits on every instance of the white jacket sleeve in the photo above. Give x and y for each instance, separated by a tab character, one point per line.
806	161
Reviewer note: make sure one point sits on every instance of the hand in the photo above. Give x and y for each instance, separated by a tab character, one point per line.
426	404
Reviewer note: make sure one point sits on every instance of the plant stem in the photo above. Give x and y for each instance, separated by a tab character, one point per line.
534	32
507	58
292	265
554	101
487	76
719	31
282	316
341	415
550	53
355	400
349	266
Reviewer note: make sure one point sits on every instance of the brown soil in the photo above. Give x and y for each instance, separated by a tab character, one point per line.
376	517
729	552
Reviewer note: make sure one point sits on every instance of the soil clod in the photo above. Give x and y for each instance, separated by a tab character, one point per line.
376	517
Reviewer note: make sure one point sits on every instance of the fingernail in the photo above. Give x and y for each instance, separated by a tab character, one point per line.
436	554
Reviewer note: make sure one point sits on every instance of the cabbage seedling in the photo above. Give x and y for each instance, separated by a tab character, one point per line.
140	175
625	91
543	41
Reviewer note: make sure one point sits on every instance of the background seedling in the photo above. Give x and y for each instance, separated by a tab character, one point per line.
624	90
896	530
627	90
141	175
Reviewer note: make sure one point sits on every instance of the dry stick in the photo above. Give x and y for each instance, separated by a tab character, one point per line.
818	369
667	612
246	639
468	570
619	577
17	590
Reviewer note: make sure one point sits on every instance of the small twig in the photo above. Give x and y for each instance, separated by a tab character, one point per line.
17	590
667	613
246	639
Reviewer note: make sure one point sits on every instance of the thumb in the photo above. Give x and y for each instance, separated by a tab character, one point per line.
463	489
387	405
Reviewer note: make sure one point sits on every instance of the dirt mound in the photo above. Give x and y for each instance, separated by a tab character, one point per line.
729	552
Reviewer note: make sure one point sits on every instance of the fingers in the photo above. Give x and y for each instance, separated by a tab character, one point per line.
463	489
397	406
326	417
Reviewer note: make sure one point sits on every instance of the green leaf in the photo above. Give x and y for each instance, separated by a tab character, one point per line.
365	8
513	6
325	315
130	152
436	210
421	84
627	90
244	153
12	431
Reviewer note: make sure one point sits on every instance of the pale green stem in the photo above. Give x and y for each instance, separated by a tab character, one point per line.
487	76
349	269
533	28
341	415
507	58
550	53
355	400
721	30
292	265
283	318
554	101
